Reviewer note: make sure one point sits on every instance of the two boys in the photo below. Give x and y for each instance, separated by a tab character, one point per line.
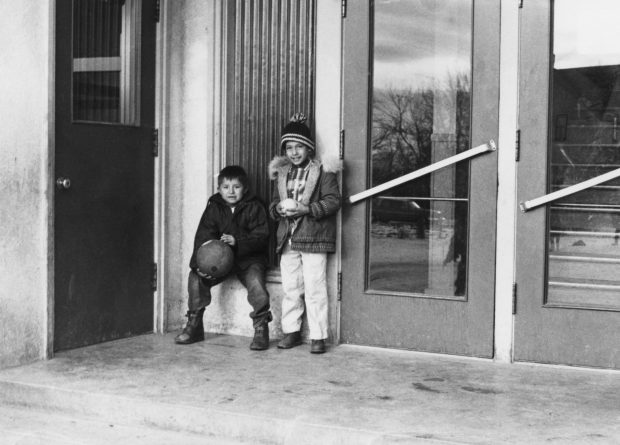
305	208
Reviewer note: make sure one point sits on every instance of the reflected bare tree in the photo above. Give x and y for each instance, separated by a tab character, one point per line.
402	126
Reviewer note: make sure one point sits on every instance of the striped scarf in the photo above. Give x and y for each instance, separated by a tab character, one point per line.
296	181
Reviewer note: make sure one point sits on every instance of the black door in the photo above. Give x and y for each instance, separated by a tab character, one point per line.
104	164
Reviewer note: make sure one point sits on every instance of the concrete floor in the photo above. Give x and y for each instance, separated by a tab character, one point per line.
224	392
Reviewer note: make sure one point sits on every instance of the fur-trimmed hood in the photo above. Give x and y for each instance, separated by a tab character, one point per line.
280	165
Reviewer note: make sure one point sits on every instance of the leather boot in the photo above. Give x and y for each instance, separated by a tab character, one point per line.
194	330
317	346
290	340
261	338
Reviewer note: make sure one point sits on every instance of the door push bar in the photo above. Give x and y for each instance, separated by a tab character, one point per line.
533	203
484	148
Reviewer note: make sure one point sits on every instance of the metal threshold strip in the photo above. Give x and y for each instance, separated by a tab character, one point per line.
585	234
585	259
537	202
484	148
593	286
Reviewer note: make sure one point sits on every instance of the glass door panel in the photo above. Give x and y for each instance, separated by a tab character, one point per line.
420	115
584	254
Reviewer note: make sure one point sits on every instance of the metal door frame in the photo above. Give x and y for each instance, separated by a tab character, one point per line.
357	75
535	322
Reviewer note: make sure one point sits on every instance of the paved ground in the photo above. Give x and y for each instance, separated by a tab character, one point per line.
30	427
219	388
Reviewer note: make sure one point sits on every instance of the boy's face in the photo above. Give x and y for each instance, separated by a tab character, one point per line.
297	152
231	191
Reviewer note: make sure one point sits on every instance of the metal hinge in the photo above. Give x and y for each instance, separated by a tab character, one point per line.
155	142
518	145
514	298
157	10
154	277
343	8
520	4
339	286
341	153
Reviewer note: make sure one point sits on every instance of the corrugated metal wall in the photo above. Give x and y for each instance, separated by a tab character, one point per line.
270	76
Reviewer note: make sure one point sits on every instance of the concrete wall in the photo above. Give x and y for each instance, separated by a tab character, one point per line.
25	54
328	107
506	187
185	171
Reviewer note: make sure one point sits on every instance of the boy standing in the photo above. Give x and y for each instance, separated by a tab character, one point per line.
237	217
305	207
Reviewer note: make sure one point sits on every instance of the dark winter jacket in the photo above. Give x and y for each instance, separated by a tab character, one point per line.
248	224
316	231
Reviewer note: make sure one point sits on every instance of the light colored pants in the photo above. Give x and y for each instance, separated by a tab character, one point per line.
303	278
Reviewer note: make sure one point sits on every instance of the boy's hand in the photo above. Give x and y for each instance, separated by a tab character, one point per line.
280	210
300	210
228	239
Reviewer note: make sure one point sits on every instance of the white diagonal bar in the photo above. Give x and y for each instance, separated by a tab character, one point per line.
490	146
537	202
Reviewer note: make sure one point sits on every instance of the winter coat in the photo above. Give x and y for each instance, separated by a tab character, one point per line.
316	231
248	224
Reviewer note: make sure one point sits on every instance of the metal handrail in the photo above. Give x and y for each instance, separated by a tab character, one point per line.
537	202
490	146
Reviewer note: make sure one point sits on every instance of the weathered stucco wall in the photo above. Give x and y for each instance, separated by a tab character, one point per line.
187	182
24	146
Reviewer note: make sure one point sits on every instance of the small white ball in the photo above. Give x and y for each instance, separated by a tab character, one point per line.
288	204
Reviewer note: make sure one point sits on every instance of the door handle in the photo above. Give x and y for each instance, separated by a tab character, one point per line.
533	203
63	183
490	146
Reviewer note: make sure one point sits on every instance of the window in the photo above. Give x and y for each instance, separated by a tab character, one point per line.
106	55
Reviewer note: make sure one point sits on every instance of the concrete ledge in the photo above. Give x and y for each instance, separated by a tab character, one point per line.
134	412
32	427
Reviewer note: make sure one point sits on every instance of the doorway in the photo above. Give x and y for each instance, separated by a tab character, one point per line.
568	253
104	167
419	259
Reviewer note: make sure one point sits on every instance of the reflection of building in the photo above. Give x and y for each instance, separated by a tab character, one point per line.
220	78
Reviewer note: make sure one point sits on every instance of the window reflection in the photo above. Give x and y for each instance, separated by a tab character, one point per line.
420	115
584	255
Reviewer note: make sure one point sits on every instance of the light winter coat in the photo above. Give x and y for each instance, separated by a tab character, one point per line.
316	231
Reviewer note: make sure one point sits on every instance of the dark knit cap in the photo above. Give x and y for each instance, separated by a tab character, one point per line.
297	131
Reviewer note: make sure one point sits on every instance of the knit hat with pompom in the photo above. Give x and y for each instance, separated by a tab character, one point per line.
297	131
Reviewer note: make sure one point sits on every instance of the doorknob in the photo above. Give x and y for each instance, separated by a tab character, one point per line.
63	183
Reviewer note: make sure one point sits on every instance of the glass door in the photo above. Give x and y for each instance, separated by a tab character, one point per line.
420	86
568	251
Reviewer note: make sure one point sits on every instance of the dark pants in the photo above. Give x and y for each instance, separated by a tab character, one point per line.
252	277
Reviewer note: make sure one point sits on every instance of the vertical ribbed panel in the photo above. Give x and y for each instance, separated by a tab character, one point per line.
269	77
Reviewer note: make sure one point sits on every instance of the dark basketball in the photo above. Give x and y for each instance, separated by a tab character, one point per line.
215	258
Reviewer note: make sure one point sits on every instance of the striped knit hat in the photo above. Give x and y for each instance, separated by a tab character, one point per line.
297	131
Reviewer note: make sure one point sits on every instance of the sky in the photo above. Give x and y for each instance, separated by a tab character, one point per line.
418	43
